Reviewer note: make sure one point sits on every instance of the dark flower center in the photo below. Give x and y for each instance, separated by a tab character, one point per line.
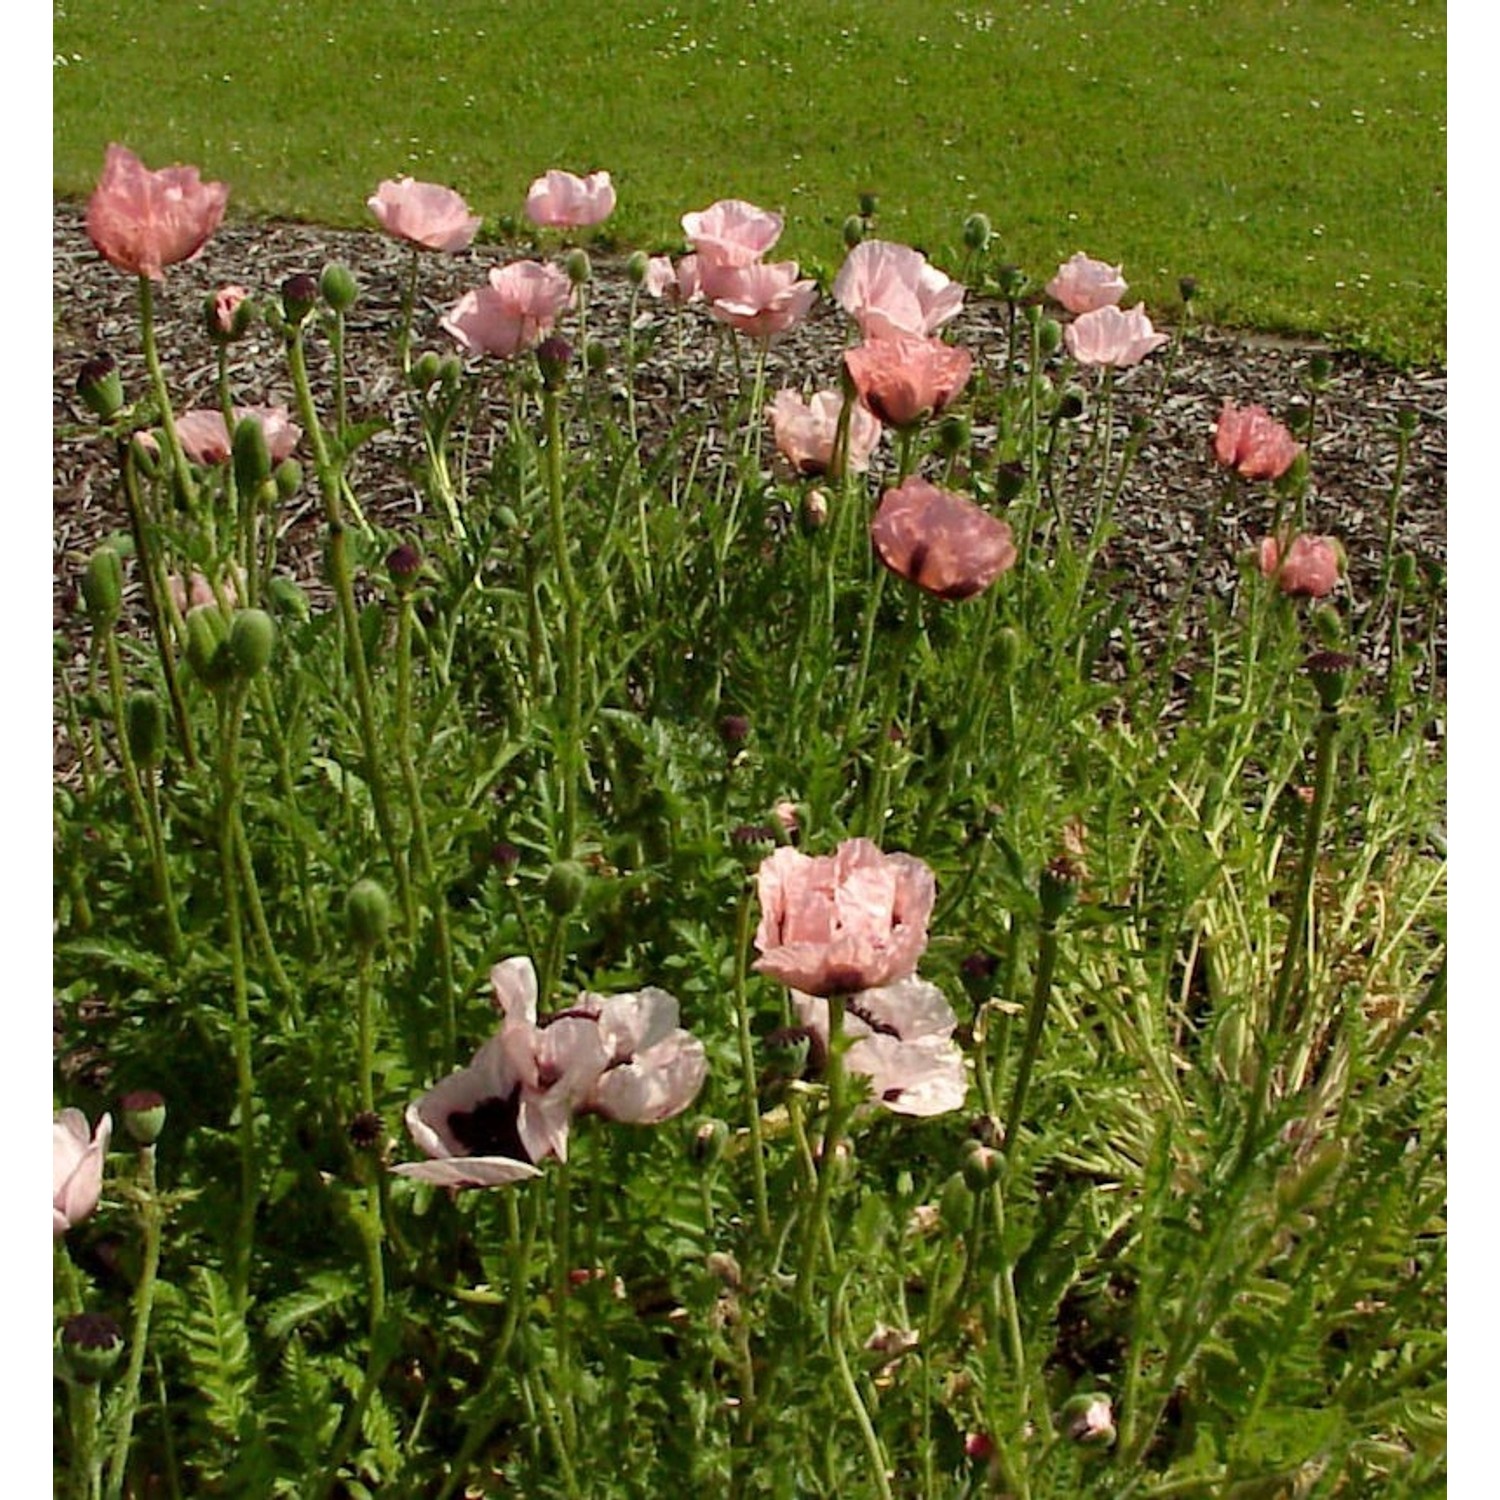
491	1128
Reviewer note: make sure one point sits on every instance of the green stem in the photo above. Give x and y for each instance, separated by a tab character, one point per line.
815	1224
878	1461
1035	1016
180	467
747	1065
572	729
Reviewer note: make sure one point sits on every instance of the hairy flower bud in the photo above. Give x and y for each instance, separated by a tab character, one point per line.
208	645
145	727
578	267
977	232
103	583
708	1141
299	295
854	230
564	886
252	639
252	455
636	268
367	912
340	289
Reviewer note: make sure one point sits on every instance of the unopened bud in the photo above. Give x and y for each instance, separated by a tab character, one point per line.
1070	404
1319	368
208	645
1089	1420
227	314
553	355
956	1205
99	386
145	727
425	370
577	266
981	1165
145	1114
868	203
734	730
1406	572
367	912
1012	282
1048	335
977	232
340	289
636	268
953	434
812	514
252	639
708	1142
252	457
287	597
404	564
854	230
596	355
103	583
564	886
299	295
1187	287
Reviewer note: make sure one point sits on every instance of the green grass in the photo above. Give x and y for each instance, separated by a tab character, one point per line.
1292	158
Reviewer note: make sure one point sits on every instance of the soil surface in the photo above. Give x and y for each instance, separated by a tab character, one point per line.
1162	509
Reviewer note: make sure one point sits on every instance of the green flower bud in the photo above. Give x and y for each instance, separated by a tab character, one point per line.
1048	335
103	583
1187	287
288	598
813	512
299	296
252	639
1330	672
1012	282
707	1146
1319	368
145	727
340	289
1070	404
1406	572
596	355
425	370
956	1205
868	203
145	1114
636	267
564	886
208	645
1010	480
1328	625
578	267
981	1166
288	477
1297	1187
854	230
953	434
91	1344
252	458
367	911
977	232
451	371
1088	1420
1007	648
100	388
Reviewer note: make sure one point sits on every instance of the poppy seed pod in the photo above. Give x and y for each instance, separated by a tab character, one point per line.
99	386
145	1115
367	913
340	289
252	639
91	1343
553	355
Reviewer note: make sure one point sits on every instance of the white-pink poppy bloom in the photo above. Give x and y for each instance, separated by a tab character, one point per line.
731	232
902	1041
762	300
514	312
654	1069
806	431
207	441
424	214
1083	285
1110	337
677	283
835	924
889	289
563	200
77	1167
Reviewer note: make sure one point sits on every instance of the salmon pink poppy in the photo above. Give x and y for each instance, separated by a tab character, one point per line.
1110	337
807	431
144	221
1308	568
561	200
207	440
1250	441
1083	285
834	924
514	312
905	379
731	233
761	300
943	543
888	289
424	214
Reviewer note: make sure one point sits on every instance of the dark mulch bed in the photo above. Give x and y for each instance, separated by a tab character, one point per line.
1161	511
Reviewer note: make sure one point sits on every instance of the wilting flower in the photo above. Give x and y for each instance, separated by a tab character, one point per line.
904	379
207	440
77	1167
1083	285
1108	336
144	221
940	541
888	289
1250	441
561	200
424	214
902	1041
515	312
731	233
761	300
833	924
806	431
1309	568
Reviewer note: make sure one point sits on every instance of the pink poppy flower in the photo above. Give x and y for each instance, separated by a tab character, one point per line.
1083	285
207	441
940	541
77	1167
144	221
653	1069
227	302
1250	441
904	379
761	300
515	312
833	924
806	431
197	590
889	289
1309	568
901	1041
1108	336
424	214
731	232
561	200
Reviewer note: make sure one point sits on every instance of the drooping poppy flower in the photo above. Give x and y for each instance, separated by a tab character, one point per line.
834	924
940	541
761	300
144	221
1110	337
561	200
901	1041
1308	568
806	431
904	379
514	312
889	289
731	233
1250	441
1083	285
424	214
77	1167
